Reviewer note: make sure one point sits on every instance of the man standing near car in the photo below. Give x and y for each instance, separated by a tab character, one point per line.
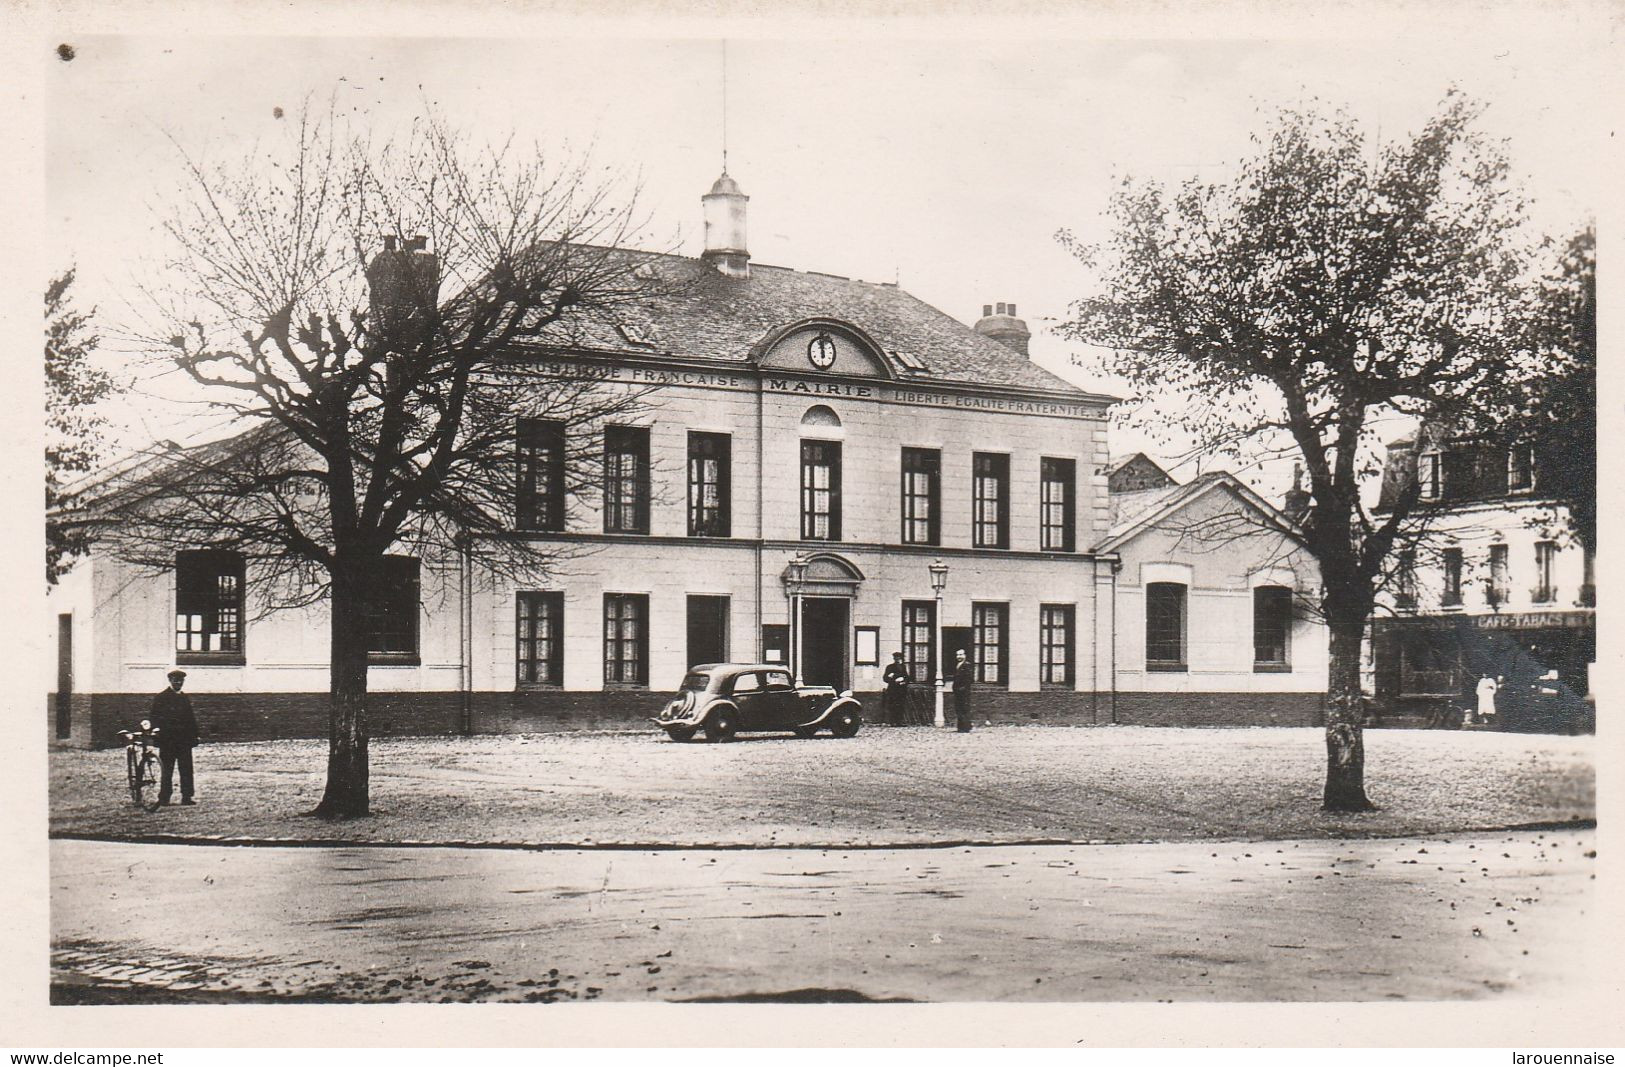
172	716
896	692
964	678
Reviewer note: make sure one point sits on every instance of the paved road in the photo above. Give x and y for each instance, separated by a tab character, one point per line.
1479	915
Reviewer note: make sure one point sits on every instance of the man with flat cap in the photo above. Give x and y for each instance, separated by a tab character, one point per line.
172	716
895	679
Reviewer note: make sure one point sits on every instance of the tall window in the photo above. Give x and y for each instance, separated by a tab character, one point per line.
389	614
708	484
1500	580
821	490
990	500
208	605
1520	468
626	639
1057	486
540	503
1451	559
990	629
922	488
1055	644
1405	579
1428	473
1545	590
920	639
1164	626
541	638
1272	626
626	479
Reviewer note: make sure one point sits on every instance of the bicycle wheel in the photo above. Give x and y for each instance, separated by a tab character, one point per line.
151	779
132	773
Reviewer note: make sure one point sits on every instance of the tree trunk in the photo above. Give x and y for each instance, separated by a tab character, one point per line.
1345	741
346	795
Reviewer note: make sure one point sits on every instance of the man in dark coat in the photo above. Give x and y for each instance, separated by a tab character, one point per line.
172	716
896	692
964	678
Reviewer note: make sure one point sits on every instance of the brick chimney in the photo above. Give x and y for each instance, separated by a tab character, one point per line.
1296	503
999	323
403	283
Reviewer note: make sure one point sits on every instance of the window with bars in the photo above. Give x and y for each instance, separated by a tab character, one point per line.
1055	644
1272	627
1165	626
389	612
709	456
626	639
1545	590
1520	469
208	606
821	490
540	502
626	479
989	634
922	481
541	638
1057	486
990	500
920	639
1450	560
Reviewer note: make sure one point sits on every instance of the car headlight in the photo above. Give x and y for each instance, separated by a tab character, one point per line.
846	694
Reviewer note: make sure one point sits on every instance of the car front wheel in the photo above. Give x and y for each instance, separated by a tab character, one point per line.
720	725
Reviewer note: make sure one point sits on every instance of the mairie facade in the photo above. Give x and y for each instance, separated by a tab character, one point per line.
820	472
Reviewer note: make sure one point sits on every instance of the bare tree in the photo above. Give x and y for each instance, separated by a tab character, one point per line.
1326	286
74	385
380	390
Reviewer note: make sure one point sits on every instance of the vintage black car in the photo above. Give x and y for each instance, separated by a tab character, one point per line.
725	698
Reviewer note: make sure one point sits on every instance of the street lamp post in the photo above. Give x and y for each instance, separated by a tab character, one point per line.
939	582
794	575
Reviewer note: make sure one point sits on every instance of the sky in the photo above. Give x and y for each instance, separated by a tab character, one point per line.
945	162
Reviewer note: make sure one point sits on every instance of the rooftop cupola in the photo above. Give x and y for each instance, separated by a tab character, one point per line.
725	247
999	323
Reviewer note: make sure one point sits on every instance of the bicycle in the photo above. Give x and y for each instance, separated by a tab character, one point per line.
142	766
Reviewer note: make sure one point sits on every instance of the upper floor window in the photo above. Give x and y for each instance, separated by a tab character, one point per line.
541	638
990	628
1405	579
1500	581
540	447
208	605
922	481
1520	469
1272	627
709	456
1055	644
626	638
626	479
990	500
821	490
1057	485
1451	560
1545	590
389	612
1165	626
1428	475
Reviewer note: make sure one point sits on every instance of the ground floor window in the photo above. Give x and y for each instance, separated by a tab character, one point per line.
1165	626
707	629
389	612
208	606
919	640
989	631
541	638
1272	624
626	639
1055	644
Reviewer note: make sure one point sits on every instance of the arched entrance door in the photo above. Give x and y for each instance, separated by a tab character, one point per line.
827	592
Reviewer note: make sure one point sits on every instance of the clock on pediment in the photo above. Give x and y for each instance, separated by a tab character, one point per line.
821	351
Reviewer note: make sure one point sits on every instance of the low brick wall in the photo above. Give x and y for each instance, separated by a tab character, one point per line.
262	716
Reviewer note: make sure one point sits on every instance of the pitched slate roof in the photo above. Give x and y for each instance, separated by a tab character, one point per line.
1132	512
699	313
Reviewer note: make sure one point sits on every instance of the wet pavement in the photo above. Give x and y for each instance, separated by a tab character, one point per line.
1470	917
